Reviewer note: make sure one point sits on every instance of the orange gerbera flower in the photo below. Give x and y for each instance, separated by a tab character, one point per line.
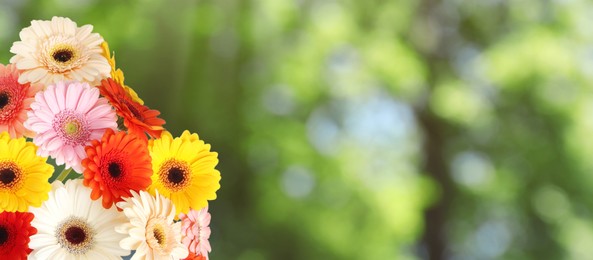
119	163
139	119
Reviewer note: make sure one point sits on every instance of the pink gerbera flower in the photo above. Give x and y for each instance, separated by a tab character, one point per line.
15	101
66	117
195	231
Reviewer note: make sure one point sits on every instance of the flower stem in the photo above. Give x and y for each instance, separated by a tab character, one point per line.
64	174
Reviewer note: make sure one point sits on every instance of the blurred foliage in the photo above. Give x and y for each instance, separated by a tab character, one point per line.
331	116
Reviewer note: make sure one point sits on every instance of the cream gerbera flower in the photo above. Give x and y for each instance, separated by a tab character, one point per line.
58	50
72	226
151	230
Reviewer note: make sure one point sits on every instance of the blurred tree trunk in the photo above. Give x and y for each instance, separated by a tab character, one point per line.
430	23
435	217
219	83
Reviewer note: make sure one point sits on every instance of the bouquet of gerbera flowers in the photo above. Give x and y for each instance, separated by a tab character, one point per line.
136	188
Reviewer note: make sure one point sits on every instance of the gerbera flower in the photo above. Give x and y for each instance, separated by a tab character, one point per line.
117	74
71	226
23	175
58	50
193	256
15	101
15	232
66	118
184	170
115	165
151	230
195	231
139	119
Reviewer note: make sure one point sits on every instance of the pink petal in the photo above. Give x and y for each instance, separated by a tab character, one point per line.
50	99
61	97
72	97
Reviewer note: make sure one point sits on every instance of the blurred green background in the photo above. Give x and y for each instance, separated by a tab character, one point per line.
370	129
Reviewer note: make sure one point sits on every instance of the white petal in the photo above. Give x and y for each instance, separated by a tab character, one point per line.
32	75
46	252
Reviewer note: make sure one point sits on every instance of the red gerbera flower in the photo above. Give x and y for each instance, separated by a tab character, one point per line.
193	256
15	101
119	163
15	232
139	119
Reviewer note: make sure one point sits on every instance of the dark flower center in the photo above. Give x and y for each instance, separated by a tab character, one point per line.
63	55
75	235
7	176
176	175
3	235
133	109
159	236
4	98
114	169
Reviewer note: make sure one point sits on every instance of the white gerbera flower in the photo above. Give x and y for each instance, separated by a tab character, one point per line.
72	226
151	230
58	50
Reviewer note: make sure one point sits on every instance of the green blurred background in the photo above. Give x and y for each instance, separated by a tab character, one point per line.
370	129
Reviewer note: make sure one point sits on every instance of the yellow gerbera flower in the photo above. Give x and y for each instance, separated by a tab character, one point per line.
23	175
117	74
184	170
